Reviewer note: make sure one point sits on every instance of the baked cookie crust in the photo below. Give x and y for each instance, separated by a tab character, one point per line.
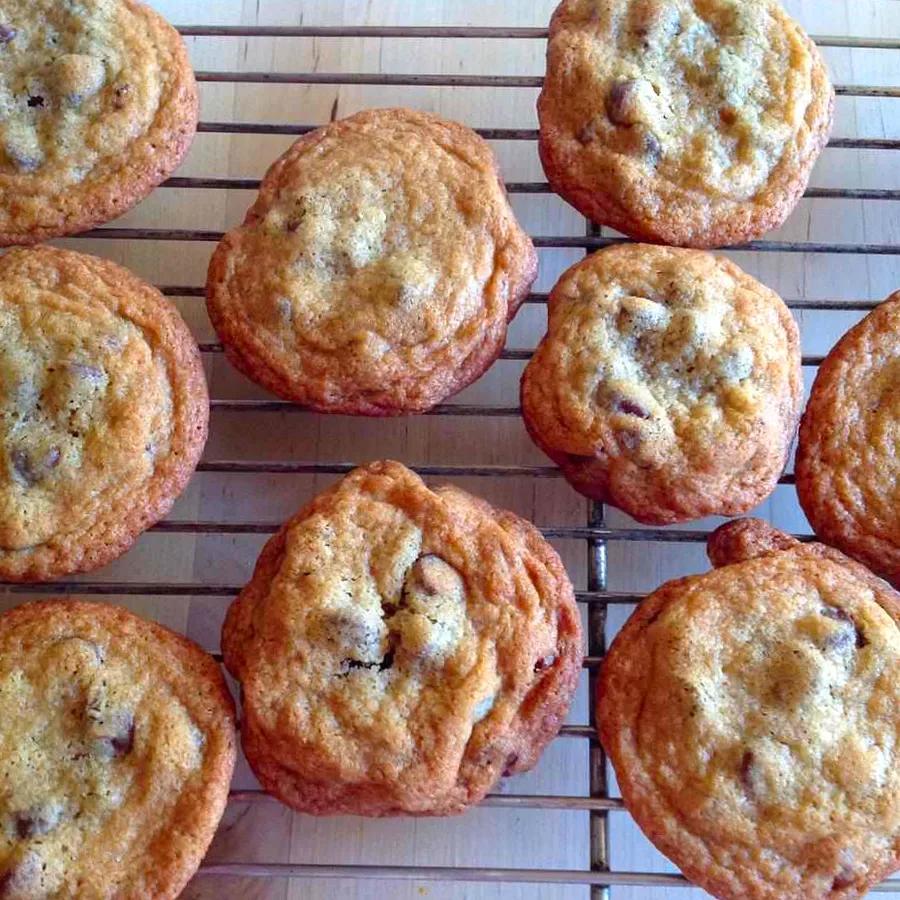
99	106
377	270
751	715
847	467
694	124
399	649
103	411
117	745
668	384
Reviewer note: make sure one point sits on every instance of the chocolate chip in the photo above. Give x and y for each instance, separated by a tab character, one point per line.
621	102
587	133
36	101
652	148
37	821
511	761
544	663
727	116
746	773
120	742
843	879
7	34
29	471
841	615
121	95
86	372
630	408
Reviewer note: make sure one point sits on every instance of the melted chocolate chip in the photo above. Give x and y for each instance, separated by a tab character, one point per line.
511	760
36	101
118	744
746	773
37	822
841	615
121	95
7	34
652	148
843	879
630	408
88	373
620	102
29	471
727	116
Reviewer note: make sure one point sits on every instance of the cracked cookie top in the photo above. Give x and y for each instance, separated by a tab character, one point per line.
103	411
378	268
753	718
98	105
400	648
116	751
689	123
668	383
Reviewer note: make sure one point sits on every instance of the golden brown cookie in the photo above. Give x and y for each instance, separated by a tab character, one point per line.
103	411
117	746
99	105
847	456
682	122
752	715
377	270
399	649
668	383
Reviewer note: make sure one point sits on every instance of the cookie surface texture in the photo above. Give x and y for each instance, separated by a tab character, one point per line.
668	384
847	463
99	105
377	270
103	411
117	745
679	122
399	649
752	715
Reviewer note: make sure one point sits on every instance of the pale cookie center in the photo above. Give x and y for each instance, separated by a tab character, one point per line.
423	628
661	359
694	89
83	405
68	757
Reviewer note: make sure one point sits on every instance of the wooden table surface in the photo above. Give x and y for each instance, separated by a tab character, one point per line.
266	832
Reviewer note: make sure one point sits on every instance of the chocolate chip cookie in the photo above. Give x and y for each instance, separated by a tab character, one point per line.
377	270
668	383
117	746
847	465
752	715
98	105
400	648
103	411
681	122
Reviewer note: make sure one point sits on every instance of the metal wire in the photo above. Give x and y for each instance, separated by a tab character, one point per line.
495	134
557	241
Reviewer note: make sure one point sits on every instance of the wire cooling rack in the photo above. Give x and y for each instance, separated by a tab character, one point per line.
595	532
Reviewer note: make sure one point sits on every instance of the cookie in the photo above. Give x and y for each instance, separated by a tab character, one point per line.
668	384
117	746
679	122
847	466
99	105
103	411
400	648
377	270
752	716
